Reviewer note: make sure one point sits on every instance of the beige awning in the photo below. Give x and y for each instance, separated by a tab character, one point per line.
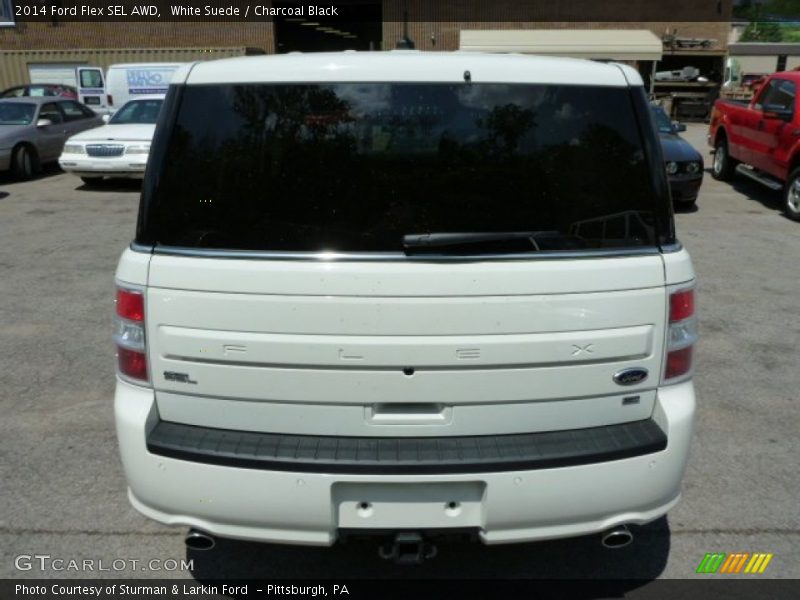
611	44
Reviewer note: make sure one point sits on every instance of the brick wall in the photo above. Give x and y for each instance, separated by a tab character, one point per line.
65	36
557	11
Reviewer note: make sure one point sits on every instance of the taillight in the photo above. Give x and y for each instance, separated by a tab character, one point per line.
682	335
681	305
110	99
129	335
130	305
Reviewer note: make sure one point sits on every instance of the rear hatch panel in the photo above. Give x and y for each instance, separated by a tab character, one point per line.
404	347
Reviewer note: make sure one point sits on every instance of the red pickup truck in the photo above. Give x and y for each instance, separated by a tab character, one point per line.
761	139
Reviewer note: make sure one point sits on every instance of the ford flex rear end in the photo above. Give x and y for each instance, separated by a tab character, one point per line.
404	292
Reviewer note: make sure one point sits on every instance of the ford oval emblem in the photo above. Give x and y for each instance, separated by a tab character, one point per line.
630	376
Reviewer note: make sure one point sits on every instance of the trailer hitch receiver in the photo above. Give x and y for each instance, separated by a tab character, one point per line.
407	548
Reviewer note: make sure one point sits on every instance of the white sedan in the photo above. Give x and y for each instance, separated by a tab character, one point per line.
117	149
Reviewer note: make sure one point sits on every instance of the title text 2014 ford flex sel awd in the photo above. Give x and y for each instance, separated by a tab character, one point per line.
405	292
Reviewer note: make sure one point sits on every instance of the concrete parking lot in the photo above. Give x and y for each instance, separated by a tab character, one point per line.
63	492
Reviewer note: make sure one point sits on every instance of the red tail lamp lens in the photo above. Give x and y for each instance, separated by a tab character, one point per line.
679	362
681	305
130	305
132	363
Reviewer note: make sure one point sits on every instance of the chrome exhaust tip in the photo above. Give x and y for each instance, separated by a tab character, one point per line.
197	540
618	537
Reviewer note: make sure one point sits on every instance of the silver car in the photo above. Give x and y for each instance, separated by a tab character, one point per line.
33	131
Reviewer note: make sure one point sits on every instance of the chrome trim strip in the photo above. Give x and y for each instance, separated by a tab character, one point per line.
386	256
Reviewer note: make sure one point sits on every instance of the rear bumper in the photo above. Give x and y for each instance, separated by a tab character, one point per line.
310	507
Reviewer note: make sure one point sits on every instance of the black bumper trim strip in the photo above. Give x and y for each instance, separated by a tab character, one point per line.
405	455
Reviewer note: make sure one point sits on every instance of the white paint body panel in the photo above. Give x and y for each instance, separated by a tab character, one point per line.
403	65
342	333
294	317
361	420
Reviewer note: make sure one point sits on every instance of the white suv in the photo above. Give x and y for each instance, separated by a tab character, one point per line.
407	292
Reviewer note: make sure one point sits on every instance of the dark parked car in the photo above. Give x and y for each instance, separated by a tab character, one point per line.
684	164
33	131
36	90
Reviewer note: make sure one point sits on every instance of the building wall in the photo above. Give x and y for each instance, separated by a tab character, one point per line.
69	36
445	35
572	11
444	19
432	26
14	64
691	18
102	44
764	64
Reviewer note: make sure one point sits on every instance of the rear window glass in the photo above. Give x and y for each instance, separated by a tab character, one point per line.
355	167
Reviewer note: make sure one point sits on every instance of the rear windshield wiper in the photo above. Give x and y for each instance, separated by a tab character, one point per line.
422	241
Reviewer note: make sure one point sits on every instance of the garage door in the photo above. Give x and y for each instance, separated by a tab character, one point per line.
63	73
